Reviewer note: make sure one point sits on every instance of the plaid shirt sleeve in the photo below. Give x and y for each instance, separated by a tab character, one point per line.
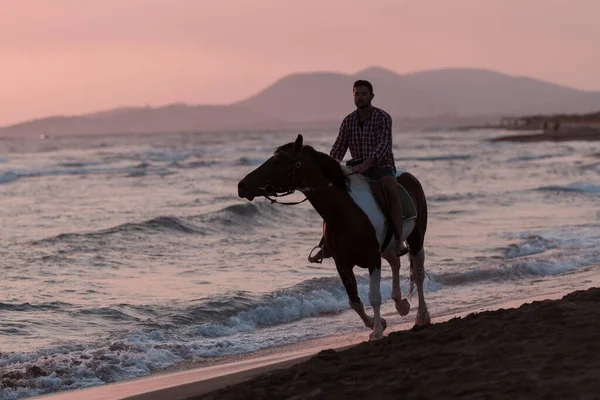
339	148
383	137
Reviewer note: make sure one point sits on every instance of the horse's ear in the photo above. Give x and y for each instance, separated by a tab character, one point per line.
298	143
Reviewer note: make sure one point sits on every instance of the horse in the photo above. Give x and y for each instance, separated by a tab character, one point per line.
355	225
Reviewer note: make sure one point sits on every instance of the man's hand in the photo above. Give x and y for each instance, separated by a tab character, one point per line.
362	167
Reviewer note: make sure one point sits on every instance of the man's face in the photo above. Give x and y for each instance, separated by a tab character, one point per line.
362	96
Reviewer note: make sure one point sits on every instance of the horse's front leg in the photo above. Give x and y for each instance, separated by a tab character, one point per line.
349	280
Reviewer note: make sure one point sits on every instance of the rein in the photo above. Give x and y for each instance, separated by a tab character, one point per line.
270	191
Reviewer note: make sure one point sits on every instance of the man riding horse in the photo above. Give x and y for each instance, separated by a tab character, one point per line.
367	131
356	228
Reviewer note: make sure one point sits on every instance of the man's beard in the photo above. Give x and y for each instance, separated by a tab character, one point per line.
363	105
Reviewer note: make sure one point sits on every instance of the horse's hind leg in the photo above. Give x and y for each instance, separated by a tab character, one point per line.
417	267
402	305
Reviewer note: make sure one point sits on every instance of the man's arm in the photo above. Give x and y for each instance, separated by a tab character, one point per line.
384	139
340	146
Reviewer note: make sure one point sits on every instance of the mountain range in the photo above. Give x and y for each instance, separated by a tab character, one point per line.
318	99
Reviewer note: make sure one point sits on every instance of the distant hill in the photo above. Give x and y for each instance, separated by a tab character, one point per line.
457	92
171	118
446	96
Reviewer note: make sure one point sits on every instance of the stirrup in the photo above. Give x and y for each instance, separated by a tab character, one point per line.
315	259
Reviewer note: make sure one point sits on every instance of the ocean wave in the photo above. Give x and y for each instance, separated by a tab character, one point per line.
79	164
445	157
194	164
248	216
455	197
574	188
8	177
138	353
74	170
155	225
27	307
247	161
534	157
519	269
533	245
309	299
161	155
230	219
223	325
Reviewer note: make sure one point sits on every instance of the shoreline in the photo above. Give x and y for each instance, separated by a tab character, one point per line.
189	379
542	349
588	134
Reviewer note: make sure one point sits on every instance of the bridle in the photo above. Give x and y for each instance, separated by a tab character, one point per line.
271	193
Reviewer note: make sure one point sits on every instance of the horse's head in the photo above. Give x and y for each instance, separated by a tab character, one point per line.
276	175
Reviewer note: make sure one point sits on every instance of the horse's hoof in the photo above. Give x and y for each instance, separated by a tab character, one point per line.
403	307
375	336
423	319
371	323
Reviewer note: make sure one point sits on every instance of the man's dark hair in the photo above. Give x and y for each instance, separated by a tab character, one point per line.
361	82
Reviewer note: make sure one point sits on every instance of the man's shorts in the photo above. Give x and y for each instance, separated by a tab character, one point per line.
379	172
374	172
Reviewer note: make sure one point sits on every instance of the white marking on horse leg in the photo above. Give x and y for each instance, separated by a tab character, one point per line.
394	262
418	263
402	305
375	300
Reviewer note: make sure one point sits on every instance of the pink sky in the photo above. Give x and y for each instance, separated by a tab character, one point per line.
75	56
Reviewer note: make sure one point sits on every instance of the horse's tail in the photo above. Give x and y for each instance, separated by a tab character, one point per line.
417	236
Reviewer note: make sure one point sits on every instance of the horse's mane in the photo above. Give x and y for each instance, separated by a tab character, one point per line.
329	166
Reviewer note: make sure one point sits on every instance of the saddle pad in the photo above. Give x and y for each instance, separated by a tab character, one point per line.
360	191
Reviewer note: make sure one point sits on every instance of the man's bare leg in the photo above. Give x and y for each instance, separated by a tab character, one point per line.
390	185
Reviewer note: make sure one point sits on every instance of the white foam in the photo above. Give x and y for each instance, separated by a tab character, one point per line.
141	353
288	308
533	245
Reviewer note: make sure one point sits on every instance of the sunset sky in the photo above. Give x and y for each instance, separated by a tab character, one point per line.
75	56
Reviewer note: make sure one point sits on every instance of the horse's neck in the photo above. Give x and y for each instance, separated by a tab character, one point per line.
332	203
329	203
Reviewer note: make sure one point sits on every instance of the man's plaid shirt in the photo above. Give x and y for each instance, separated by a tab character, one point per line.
374	139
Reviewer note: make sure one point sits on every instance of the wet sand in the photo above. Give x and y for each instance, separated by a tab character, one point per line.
545	349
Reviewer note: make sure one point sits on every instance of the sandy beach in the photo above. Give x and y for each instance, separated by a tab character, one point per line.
587	134
545	349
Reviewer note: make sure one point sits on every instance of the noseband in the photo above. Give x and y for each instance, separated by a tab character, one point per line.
270	191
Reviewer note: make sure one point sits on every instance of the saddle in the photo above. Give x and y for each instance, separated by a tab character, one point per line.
375	193
409	211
